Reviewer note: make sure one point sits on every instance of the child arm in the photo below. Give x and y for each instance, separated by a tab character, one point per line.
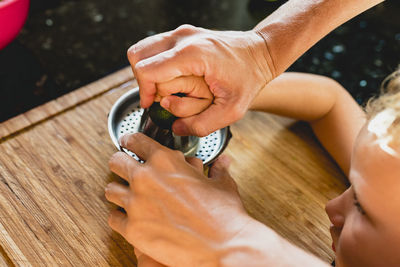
332	113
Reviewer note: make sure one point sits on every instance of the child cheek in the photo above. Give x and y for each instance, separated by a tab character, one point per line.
352	246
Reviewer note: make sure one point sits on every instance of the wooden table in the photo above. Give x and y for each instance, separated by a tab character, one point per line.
53	170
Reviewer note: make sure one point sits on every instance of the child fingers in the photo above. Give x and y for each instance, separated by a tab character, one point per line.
117	194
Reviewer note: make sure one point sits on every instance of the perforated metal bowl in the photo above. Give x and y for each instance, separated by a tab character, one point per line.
125	117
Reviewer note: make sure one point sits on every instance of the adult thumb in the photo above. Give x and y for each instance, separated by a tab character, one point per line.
185	106
220	167
214	117
219	170
196	95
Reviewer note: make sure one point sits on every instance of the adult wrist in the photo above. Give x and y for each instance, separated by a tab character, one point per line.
246	248
259	246
262	57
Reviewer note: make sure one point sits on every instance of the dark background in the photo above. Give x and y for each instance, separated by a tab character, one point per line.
66	44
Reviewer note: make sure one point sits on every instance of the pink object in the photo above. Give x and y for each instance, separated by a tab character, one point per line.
13	14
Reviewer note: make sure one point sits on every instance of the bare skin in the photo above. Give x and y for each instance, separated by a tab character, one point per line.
211	55
172	208
235	65
365	228
238	69
365	217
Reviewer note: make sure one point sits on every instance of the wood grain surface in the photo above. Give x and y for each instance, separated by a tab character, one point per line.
53	170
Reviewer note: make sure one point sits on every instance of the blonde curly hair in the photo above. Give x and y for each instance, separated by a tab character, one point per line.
389	100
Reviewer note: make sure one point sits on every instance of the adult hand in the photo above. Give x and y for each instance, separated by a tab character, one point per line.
233	65
145	261
174	214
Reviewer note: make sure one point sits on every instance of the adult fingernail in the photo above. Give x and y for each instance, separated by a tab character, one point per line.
179	128
121	141
165	103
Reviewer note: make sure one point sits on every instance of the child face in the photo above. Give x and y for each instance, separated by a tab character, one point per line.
366	217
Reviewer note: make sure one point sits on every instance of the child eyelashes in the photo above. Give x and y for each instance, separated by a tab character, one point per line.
359	208
358	205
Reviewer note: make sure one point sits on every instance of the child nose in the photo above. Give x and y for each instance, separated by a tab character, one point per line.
335	209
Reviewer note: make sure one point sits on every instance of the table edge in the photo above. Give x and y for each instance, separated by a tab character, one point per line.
49	109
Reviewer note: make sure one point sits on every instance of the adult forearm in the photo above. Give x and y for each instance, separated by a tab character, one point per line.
258	245
299	24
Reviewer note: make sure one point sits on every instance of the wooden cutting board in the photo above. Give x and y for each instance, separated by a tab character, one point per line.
53	170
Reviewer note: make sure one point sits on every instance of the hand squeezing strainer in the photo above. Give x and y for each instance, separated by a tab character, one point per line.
126	116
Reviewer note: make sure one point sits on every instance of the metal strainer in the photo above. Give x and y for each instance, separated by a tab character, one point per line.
126	117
